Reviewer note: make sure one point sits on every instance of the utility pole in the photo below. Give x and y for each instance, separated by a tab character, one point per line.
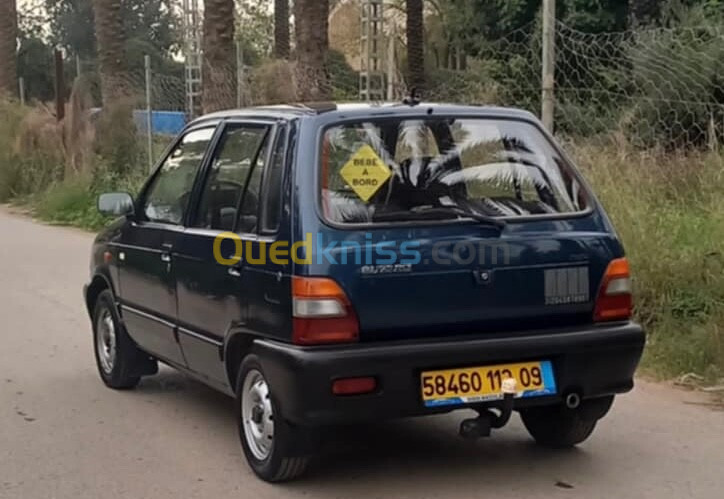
240	77
192	56
21	89
372	74
548	78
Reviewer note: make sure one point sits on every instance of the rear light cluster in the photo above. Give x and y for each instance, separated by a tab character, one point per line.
614	302
322	313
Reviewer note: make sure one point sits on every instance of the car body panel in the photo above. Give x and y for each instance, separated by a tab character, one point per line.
148	294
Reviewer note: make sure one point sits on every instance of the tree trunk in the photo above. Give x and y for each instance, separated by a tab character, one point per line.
218	73
281	29
312	24
115	82
8	48
415	45
219	60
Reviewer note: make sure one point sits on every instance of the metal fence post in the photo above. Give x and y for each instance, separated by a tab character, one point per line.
59	86
548	77
21	90
149	121
239	75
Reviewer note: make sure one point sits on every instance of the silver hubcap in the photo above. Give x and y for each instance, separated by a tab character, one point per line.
106	340
257	416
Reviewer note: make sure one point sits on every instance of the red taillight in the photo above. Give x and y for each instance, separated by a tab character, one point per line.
614	302
354	386
322	312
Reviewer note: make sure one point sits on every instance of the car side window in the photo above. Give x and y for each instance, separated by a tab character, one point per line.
232	176
168	196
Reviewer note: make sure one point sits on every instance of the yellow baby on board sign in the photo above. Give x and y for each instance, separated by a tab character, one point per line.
365	172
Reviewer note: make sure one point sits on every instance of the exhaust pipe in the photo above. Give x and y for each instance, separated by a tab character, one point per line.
573	400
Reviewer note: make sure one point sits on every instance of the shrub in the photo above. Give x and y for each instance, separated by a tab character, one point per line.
273	83
31	154
117	139
345	80
676	105
668	211
72	202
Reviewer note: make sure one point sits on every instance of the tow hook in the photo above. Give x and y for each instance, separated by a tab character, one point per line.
487	420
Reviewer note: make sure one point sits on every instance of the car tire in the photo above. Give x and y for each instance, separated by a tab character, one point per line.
276	450
118	359
557	426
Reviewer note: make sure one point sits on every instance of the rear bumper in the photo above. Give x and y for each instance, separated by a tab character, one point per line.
596	361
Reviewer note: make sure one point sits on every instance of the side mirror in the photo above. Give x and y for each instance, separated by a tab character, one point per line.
115	204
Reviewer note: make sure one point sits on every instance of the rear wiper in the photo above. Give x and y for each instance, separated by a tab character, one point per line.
425	211
457	210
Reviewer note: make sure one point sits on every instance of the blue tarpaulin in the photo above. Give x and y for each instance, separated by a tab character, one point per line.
162	122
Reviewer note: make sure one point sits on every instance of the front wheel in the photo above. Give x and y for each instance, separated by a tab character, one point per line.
274	448
120	362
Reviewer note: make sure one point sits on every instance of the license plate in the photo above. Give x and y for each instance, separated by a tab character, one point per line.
482	384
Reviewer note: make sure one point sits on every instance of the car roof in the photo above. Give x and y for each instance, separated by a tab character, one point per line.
333	110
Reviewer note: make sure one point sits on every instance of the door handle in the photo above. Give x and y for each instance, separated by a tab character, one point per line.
234	271
166	253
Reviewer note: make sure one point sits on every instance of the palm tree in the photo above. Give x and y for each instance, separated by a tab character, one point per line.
115	84
415	44
219	64
643	11
8	47
312	24
281	29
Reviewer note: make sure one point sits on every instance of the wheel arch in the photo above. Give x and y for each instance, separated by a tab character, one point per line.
98	284
236	347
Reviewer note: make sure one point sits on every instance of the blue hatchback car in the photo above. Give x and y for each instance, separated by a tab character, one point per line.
336	264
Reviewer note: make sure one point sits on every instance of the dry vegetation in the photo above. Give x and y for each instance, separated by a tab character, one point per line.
58	168
667	208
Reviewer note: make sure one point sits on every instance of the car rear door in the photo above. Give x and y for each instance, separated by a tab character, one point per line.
147	276
213	297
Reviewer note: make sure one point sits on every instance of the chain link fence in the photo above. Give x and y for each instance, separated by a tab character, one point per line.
650	88
653	88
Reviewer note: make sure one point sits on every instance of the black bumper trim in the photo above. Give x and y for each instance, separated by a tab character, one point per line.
596	361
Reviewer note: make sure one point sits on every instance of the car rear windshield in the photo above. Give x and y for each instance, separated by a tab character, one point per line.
439	168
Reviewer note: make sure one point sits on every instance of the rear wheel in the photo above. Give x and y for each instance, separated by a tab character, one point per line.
276	450
120	363
560	427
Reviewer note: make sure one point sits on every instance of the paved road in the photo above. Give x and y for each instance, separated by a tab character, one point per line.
63	435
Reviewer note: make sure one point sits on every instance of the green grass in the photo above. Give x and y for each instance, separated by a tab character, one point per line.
33	171
69	203
669	212
73	201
